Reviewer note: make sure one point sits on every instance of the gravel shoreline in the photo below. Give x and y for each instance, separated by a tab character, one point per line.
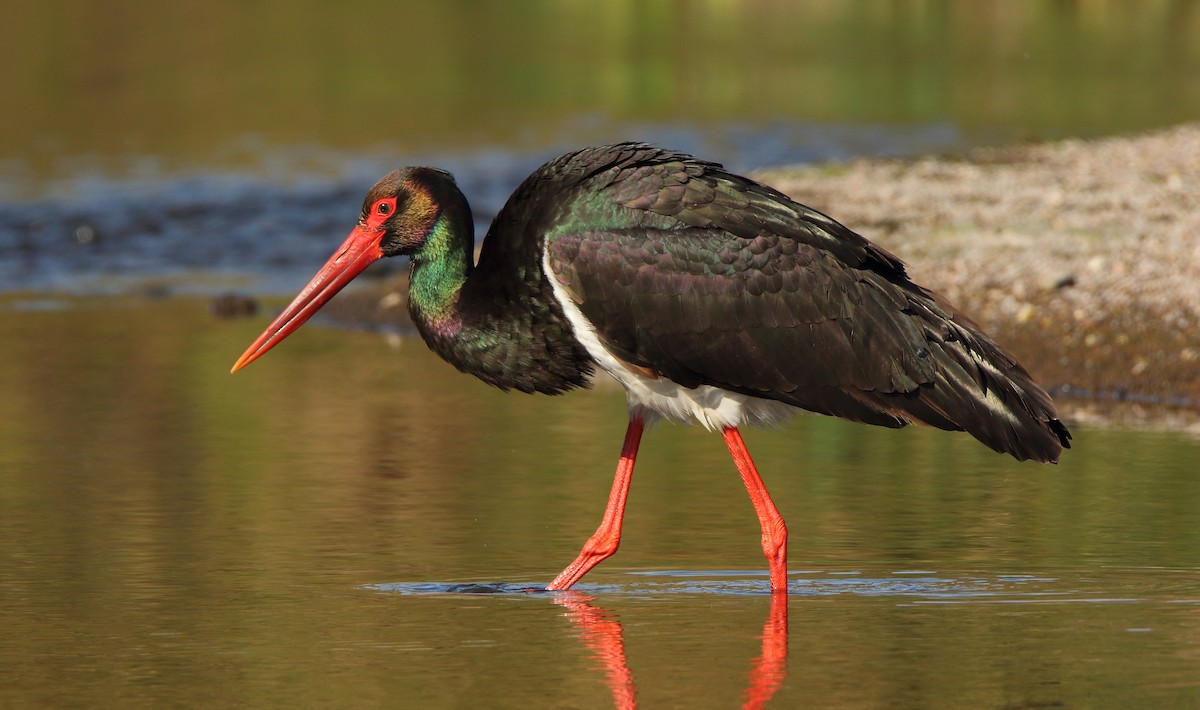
1081	257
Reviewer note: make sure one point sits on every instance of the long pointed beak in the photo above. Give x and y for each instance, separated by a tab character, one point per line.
359	251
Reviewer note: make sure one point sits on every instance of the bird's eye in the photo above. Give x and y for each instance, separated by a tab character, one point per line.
383	208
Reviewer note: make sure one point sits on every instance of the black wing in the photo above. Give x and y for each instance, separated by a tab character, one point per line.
726	282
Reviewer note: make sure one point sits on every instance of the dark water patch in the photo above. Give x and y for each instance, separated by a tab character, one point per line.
437	588
188	225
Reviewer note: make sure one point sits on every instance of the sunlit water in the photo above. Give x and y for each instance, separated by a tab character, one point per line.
351	522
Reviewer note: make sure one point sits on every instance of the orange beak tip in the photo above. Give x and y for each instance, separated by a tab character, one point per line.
358	252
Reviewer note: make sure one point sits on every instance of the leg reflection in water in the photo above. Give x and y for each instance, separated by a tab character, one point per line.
603	635
771	667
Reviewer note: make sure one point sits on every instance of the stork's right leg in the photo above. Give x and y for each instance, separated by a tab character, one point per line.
607	538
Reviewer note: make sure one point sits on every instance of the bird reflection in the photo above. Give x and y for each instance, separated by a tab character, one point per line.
604	637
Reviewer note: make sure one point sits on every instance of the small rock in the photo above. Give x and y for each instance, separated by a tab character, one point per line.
1064	282
85	234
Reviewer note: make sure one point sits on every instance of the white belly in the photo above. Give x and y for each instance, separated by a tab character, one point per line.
655	397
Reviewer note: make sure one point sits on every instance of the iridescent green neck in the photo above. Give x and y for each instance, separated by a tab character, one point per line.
440	268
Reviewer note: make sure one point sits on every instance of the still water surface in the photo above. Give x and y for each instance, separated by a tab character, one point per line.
353	523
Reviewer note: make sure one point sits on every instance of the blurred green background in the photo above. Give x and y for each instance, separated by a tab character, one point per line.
224	84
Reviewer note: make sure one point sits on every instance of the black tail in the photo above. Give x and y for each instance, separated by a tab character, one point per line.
980	389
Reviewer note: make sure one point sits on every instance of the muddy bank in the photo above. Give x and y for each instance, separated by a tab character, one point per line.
1080	257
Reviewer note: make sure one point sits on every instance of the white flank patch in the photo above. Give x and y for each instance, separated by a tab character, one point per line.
652	398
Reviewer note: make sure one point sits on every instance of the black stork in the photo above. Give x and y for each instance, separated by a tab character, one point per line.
710	297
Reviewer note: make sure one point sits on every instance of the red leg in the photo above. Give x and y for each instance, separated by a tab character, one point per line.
774	532
604	542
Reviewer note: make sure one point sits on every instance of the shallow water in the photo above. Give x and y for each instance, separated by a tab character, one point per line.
351	522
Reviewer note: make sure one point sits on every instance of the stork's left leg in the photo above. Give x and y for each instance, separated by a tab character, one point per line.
774	532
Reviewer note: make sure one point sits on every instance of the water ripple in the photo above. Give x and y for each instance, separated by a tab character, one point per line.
917	586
